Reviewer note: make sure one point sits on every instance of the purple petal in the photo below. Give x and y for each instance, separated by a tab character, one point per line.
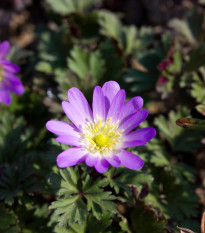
62	128
69	140
110	89
98	103
9	67
128	144
91	160
116	105
132	106
78	100
12	78
133	121
139	137
130	160
76	116
5	97
145	134
102	165
4	49
17	89
71	157
113	160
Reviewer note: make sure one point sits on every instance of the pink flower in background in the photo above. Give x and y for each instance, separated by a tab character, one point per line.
100	136
162	80
164	64
8	80
161	83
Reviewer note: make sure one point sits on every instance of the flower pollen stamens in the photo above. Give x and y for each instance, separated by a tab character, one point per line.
101	137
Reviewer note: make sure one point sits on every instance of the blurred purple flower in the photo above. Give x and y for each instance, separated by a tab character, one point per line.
100	136
8	80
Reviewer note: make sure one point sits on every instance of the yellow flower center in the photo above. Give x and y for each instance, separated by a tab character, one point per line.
101	137
101	140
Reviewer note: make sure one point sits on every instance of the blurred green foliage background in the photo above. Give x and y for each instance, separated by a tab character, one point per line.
150	52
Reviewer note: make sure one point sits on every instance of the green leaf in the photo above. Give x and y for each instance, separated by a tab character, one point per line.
94	225
70	210
172	195
10	124
129	39
183	29
143	80
18	55
17	180
44	67
87	27
110	24
53	49
141	216
176	66
124	225
74	189
198	85
201	108
97	201
194	62
160	159
113	61
140	81
65	7
180	139
191	28
145	38
88	66
7	221
85	63
122	178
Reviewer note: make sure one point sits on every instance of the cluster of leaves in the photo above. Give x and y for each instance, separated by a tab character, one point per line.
84	45
90	203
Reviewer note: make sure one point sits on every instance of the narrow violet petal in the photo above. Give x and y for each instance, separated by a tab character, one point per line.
70	157
113	160
116	105
133	121
132	106
9	67
77	117
91	160
4	49
69	140
101	166
62	128
130	160
144	134
98	104
78	100
12	78
5	97
110	89
134	143
17	89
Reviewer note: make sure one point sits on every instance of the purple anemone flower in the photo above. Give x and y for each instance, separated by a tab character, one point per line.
100	137
8	80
